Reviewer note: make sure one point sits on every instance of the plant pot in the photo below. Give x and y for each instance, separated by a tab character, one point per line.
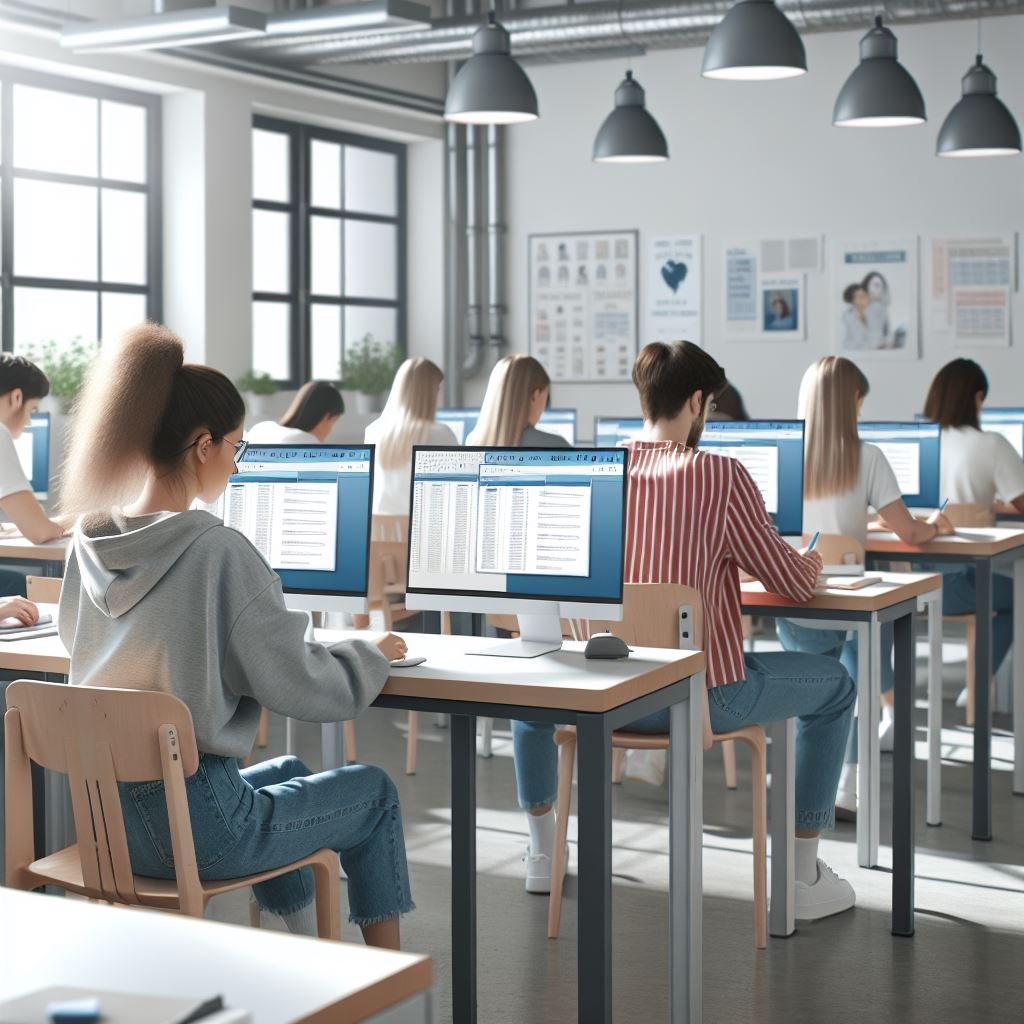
366	404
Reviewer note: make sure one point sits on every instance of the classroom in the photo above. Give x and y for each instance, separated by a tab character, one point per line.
511	513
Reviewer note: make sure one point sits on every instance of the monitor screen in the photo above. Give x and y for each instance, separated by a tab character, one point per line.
500	528
461	421
912	449
307	509
773	452
33	448
1009	423
561	422
613	430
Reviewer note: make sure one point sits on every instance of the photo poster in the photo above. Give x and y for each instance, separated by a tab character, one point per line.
674	290
874	296
766	288
971	283
583	304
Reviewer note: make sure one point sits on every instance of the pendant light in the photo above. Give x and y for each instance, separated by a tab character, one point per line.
629	134
755	41
880	93
491	88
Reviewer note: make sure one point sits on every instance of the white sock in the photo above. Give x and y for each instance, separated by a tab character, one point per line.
302	922
542	833
806	862
848	778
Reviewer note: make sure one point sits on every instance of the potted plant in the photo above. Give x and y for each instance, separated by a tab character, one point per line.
369	370
66	366
259	387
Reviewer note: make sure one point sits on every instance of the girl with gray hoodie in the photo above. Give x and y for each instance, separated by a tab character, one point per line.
163	597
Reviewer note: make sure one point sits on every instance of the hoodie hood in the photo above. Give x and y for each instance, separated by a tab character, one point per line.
122	559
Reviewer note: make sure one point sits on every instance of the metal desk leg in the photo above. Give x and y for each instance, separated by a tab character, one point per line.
332	744
1018	676
982	822
289	737
594	944
686	831
874	753
463	770
933	603
903	781
782	820
868	664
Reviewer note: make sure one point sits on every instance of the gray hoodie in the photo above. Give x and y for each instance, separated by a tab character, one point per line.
183	604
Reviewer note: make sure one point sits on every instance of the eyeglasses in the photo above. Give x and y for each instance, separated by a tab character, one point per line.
241	447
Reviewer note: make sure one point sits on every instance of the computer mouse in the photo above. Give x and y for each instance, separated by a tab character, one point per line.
606	646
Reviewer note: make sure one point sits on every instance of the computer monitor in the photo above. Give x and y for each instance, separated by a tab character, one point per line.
461	421
913	451
613	430
33	448
561	422
1008	422
533	532
307	508
773	452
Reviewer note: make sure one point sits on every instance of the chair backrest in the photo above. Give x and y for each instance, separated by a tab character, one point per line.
838	549
99	737
970	515
389	551
43	589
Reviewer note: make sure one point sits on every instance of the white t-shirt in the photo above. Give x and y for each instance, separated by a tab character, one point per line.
269	432
846	513
391	486
979	468
12	475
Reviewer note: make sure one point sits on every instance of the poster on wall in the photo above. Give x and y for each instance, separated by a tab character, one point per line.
674	283
970	284
765	288
874	298
583	304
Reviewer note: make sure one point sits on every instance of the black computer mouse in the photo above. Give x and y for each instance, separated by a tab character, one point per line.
606	647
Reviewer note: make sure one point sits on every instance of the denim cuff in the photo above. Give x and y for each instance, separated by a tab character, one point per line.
818	821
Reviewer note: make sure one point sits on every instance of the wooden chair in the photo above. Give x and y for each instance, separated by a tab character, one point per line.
651	619
838	549
43	589
99	737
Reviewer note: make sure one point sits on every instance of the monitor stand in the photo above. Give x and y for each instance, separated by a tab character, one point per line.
538	634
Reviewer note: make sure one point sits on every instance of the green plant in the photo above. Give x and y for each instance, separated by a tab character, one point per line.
66	366
257	383
370	366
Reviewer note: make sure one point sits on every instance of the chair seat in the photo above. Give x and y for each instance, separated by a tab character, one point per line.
625	740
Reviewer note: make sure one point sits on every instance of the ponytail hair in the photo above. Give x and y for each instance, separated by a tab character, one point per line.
141	406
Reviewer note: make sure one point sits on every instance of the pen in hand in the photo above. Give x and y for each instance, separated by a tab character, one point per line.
814	540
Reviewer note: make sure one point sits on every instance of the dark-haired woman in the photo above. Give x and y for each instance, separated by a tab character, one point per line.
313	414
160	596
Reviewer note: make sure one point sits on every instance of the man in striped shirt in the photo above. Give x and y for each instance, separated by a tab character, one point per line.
696	519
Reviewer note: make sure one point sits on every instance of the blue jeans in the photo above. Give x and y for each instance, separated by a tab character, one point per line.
958	599
276	812
817	691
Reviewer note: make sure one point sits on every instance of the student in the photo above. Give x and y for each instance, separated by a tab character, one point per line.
695	518
517	395
160	596
408	419
843	478
22	387
315	409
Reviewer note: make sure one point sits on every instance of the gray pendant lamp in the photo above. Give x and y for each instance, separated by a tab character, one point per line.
491	88
980	124
880	93
629	134
755	41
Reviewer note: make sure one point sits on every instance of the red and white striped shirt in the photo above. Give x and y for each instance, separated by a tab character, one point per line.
694	519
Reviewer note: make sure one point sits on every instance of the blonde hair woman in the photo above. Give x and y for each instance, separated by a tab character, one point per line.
844	478
408	419
517	395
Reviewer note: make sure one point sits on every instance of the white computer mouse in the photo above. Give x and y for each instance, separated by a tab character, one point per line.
606	647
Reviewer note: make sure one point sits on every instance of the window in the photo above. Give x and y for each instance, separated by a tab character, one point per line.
328	248
79	209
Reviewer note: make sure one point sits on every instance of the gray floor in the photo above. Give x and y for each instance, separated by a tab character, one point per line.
965	964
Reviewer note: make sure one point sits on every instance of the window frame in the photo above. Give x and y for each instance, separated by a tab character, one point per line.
299	207
152	188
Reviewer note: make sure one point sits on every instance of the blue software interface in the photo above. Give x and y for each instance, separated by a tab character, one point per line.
561	422
307	509
461	421
612	430
913	451
539	523
1008	422
33	448
773	452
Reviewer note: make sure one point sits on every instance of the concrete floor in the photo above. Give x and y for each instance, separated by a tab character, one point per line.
965	964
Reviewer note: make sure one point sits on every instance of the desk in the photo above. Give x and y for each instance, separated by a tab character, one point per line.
278	978
51	555
986	550
894	600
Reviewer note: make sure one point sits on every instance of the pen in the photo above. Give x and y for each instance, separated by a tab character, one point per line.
942	507
814	540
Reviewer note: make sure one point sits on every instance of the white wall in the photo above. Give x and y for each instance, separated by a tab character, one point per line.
762	159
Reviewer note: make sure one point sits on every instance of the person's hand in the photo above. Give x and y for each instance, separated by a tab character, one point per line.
19	608
394	648
944	526
815	557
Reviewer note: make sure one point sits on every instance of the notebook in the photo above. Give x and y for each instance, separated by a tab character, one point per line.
115	1007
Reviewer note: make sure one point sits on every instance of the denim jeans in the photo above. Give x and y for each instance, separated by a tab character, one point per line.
817	691
276	812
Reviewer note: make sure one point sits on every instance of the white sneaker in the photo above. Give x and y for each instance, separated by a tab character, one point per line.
538	870
829	895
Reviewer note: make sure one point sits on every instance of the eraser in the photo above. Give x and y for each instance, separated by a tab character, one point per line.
74	1011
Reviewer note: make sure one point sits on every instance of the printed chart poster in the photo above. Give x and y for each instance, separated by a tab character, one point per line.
874	287
971	282
765	296
674	290
583	305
